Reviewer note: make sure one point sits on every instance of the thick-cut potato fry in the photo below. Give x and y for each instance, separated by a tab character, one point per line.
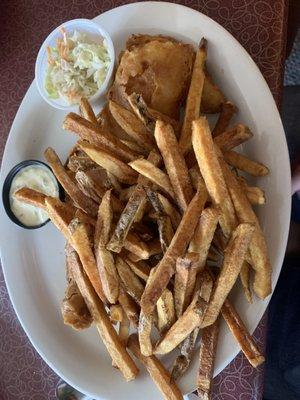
80	241
131	124
136	201
204	233
228	110
254	194
135	147
79	198
99	137
232	264
126	193
196	177
89	187
193	101
87	111
174	163
212	174
185	279
131	282
258	247
124	330
149	116
104	221
61	214
212	97
166	267
154	174
31	197
109	162
134	245
244	163
139	254
105	328
116	313
80	163
140	268
241	334
170	210
144	332
208	348
245	281
165	311
129	306
156	370
227	140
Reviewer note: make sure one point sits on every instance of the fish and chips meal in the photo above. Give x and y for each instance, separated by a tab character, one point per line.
158	216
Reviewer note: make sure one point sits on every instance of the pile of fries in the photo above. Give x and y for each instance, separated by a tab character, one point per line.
159	228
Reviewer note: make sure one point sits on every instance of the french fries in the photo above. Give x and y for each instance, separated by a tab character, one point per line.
109	336
243	163
228	110
98	137
208	348
144	331
174	163
129	306
79	198
132	125
166	267
116	313
255	195
109	162
156	370
131	282
258	248
212	174
31	197
232	264
165	311
192	108
154	174
233	138
86	111
140	268
245	281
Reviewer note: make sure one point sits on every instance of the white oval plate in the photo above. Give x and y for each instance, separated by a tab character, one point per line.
33	261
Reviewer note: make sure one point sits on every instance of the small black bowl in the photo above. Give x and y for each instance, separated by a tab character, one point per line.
7	185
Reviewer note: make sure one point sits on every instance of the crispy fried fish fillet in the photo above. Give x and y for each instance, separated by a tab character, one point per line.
157	67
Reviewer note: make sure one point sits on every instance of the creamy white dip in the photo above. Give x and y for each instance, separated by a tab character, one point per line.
35	177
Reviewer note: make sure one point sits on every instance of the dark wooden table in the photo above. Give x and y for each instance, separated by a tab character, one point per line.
259	25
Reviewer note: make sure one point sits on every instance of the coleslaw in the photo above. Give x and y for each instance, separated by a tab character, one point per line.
77	67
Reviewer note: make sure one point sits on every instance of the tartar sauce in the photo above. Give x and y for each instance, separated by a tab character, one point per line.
34	177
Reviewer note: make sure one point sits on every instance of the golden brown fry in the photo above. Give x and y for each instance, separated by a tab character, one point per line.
258	247
185	279
80	163
99	137
212	174
132	125
165	311
105	328
86	111
241	334
232	264
174	163
79	198
109	162
212	97
245	281
80	241
89	187
228	110
144	332
140	268
227	140
134	245
129	306
156	370
136	201
244	163
61	214
196	177
177	247
192	107
31	197
204	233
116	313
124	329
254	194
104	221
154	174
135	147
126	193
170	210
208	349
189	320
131	282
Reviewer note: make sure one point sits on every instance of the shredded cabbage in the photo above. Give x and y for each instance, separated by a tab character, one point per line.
77	67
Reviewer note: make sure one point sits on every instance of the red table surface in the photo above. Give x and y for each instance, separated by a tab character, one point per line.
259	25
